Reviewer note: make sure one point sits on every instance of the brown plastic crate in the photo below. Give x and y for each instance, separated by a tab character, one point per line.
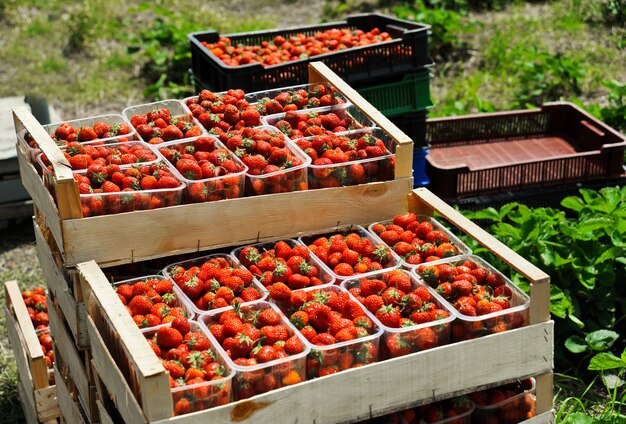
495	152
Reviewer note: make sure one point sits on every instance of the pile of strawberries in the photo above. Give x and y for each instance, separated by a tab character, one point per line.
203	159
296	124
328	317
37	307
66	133
150	301
473	290
260	344
397	302
113	189
220	113
319	95
81	156
455	410
350	253
296	47
508	404
265	152
190	360
329	149
215	282
282	267
159	126
415	241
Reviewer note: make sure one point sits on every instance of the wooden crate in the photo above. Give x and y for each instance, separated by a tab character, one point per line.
141	235
38	397
138	383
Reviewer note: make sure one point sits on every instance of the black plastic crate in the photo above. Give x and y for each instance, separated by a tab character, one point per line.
414	125
407	52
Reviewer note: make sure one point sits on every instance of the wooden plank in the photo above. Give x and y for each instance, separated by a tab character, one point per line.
69	408
66	349
33	351
148	234
113	379
42	199
320	72
73	312
545	418
544	392
46	404
105	418
27	399
425	202
66	188
399	383
152	379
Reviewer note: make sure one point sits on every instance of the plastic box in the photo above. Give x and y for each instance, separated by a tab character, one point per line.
454	240
180	301
308	238
420	177
264	95
407	52
205	395
48	174
128	201
252	377
111	119
380	168
419	414
408	94
418	337
469	327
346	111
324	274
197	262
520	406
414	125
494	152
176	108
229	186
343	355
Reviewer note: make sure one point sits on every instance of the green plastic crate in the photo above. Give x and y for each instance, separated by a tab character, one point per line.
411	94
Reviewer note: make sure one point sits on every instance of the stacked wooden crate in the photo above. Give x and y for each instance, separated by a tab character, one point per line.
117	377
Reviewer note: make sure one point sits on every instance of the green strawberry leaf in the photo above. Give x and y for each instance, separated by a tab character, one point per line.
605	361
601	339
575	344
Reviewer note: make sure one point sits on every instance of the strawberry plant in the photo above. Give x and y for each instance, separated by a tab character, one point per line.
417	239
215	281
341	334
198	376
413	319
263	347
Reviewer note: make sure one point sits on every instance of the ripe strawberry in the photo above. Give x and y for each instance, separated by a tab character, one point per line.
168	337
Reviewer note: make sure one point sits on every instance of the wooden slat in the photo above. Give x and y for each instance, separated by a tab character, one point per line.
105	418
544	392
66	188
424	202
153	380
113	379
148	234
396	384
69	408
28	403
320	72
42	200
545	418
46	403
73	311
34	354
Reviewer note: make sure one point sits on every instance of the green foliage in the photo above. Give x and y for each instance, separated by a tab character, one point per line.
10	406
583	251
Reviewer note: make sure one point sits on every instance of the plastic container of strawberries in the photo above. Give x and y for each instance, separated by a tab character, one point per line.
283	181
348	111
176	108
446	406
362	171
233	262
111	119
343	355
514	409
251	377
463	249
309	238
128	201
418	337
266	95
324	274
151	157
467	327
201	396
229	186
181	300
